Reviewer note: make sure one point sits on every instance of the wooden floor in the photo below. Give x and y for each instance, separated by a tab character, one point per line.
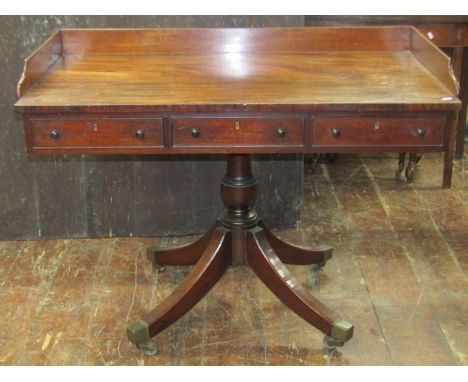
398	273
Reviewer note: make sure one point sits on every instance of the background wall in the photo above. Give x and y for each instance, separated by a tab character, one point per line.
88	196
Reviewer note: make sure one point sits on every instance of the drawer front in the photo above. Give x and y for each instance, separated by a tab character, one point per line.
443	35
237	132
96	133
370	131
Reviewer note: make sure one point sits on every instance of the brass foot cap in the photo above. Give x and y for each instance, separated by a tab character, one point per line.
342	330
150	253
330	343
327	252
149	348
138	332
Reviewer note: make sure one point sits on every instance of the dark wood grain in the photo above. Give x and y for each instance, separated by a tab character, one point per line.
435	61
43	58
353	131
215	132
99	133
226	82
234	40
185	255
211	266
292	254
268	267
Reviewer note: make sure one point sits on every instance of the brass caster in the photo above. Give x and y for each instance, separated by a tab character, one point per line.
138	333
330	343
319	266
328	253
159	268
341	332
149	347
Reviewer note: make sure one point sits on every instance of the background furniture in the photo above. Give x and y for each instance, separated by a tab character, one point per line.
447	32
239	92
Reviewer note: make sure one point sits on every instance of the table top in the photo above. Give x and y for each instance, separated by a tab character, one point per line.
235	78
267	69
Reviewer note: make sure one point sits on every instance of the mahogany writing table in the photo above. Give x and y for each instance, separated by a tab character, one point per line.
239	92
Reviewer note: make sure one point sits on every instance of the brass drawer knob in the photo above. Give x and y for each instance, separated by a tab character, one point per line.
420	132
54	134
140	134
281	132
195	132
335	132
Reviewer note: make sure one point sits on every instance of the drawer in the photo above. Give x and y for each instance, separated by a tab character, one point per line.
237	132
443	35
96	133
372	131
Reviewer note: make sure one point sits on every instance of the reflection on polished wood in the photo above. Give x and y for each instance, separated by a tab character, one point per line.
279	79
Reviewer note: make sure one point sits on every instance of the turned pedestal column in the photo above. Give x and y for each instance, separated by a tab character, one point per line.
238	237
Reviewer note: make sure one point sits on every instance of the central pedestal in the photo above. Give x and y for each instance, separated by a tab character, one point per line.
238	237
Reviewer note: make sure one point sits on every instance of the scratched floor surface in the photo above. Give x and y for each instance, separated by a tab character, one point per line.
398	273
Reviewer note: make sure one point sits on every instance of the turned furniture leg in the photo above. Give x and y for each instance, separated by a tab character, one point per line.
186	255
401	164
459	59
269	268
409	172
291	254
449	151
413	160
206	272
314	161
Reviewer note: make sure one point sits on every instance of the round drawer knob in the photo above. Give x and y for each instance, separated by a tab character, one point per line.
420	132
335	132
54	134
195	132
140	134
281	132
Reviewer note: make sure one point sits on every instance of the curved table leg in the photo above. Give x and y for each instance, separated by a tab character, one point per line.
291	254
269	268
210	267
185	255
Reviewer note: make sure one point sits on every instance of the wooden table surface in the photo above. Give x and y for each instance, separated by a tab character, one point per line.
237	78
253	69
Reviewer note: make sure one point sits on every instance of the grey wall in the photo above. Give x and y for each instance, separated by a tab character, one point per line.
89	196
